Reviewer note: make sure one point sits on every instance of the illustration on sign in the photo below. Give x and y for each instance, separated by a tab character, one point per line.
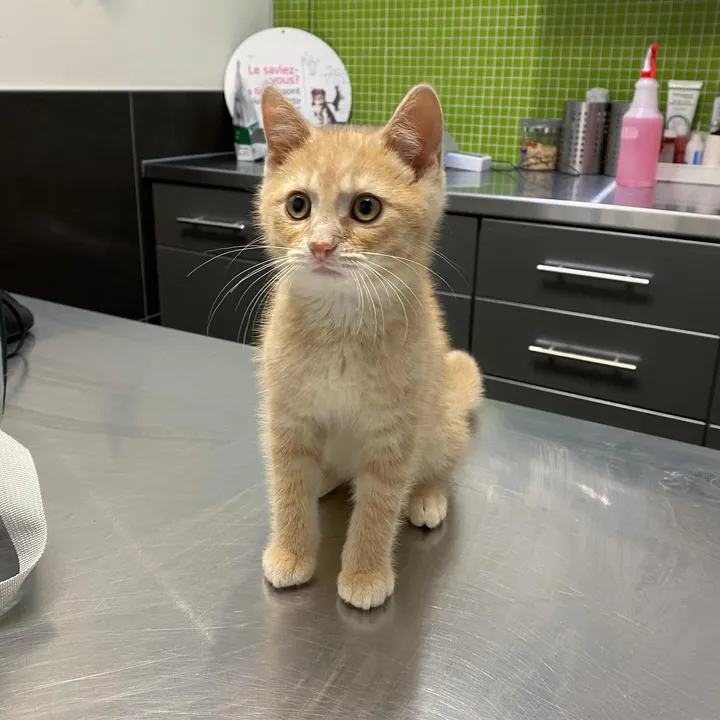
308	71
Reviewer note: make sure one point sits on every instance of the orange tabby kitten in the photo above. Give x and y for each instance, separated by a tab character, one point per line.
359	381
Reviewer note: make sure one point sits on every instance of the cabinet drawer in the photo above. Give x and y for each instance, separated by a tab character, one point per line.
662	370
593	410
456	254
456	309
673	283
205	220
186	300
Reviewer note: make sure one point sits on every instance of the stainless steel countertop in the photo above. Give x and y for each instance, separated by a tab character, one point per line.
669	209
577	577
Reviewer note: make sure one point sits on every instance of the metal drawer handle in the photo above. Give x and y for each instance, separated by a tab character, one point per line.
596	274
590	359
204	222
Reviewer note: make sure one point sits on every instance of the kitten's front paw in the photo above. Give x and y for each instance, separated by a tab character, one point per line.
366	590
284	569
428	507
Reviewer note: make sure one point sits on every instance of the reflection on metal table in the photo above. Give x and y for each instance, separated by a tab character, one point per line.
577	577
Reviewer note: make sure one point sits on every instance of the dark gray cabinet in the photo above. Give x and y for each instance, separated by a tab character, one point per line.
713	437
715	410
209	274
629	364
614	327
672	283
454	264
204	220
455	257
596	410
214	296
457	310
206	237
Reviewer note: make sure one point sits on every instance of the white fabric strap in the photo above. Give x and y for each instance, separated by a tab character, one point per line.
21	510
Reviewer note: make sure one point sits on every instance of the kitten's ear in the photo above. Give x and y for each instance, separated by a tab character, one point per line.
286	129
415	130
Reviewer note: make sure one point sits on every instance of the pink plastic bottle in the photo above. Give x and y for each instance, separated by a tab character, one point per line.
642	129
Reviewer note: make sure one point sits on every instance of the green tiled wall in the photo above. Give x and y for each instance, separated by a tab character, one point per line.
496	61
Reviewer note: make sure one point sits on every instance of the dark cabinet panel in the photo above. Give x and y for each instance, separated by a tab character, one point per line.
673	283
715	410
713	437
68	219
180	122
594	410
169	123
457	310
234	286
205	220
607	326
630	364
454	260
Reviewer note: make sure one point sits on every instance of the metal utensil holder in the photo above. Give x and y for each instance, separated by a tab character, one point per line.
584	132
612	145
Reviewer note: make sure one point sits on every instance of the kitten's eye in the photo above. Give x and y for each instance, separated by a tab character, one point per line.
366	208
298	206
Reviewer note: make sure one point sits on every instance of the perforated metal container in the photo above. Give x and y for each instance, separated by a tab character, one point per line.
612	144
584	131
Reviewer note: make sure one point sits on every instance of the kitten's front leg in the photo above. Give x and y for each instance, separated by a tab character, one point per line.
295	478
367	578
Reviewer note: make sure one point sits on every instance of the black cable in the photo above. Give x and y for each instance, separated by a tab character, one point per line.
21	325
5	355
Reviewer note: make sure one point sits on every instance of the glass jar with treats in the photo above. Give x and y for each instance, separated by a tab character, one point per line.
540	144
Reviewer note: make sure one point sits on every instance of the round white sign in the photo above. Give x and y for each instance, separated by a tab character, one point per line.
307	69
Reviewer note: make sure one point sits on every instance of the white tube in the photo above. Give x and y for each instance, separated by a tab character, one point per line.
712	151
683	96
715	121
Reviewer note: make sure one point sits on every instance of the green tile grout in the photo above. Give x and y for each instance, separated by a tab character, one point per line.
494	62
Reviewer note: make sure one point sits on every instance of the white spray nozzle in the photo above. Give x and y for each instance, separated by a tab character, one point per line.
648	70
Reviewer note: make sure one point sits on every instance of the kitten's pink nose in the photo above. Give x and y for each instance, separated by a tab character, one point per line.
321	249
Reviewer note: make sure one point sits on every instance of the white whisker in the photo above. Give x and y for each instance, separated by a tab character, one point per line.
414	262
261	269
382	279
228	251
454	266
382	310
262	273
397	277
371	301
259	312
361	316
386	282
235	277
237	255
268	282
357	287
255	302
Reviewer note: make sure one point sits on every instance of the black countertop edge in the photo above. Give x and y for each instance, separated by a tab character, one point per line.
168	171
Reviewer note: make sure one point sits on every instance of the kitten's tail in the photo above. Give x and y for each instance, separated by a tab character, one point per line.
465	381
